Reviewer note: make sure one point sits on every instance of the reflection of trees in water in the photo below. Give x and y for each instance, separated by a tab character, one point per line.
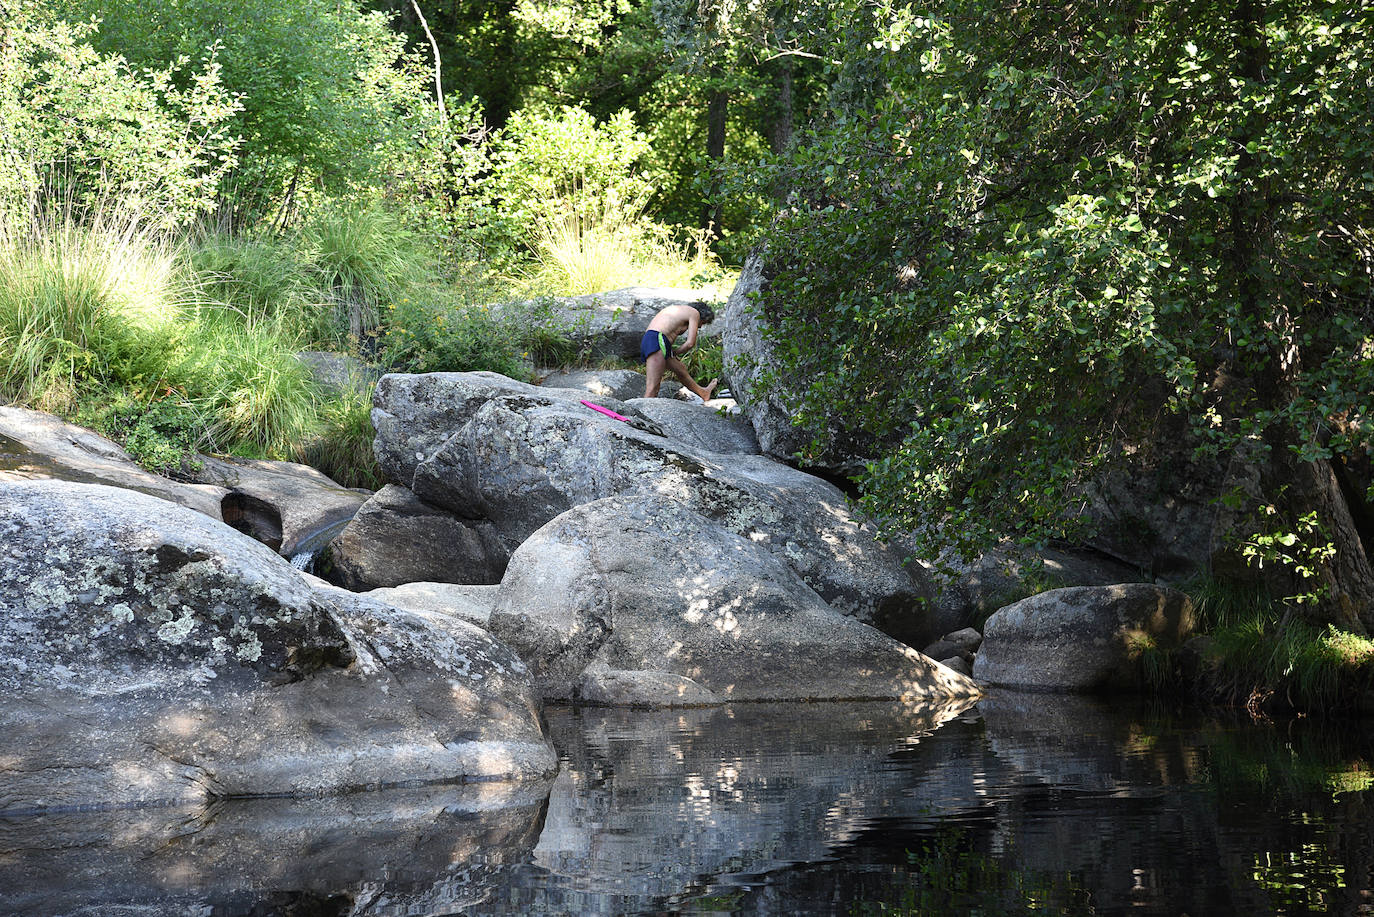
1068	805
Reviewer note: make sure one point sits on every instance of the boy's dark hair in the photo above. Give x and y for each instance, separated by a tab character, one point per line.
708	315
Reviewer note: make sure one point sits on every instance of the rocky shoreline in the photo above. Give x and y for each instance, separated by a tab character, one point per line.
157	646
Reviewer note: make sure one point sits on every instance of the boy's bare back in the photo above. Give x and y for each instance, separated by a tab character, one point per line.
673	320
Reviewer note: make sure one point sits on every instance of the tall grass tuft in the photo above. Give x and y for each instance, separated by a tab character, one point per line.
85	303
255	395
263	279
342	444
364	256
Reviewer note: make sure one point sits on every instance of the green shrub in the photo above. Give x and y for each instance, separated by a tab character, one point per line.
78	123
438	336
161	436
548	167
327	97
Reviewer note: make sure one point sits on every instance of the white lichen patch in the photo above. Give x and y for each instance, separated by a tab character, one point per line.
177	630
250	650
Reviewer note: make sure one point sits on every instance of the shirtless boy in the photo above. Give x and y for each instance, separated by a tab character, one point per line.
656	348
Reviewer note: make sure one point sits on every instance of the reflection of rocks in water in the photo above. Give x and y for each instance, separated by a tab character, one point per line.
1073	740
412	852
650	805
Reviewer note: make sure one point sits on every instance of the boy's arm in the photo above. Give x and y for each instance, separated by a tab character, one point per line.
693	323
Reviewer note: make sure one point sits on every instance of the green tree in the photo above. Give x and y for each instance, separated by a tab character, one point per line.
1025	240
81	125
327	96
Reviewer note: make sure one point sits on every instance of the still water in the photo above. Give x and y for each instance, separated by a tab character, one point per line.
1020	804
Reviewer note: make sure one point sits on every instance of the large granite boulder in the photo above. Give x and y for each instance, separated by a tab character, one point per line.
636	601
607	324
292	508
698	425
1084	638
414	415
398	538
521	461
746	353
38	446
151	655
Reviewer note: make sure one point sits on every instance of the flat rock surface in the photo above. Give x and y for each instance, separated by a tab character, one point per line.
698	425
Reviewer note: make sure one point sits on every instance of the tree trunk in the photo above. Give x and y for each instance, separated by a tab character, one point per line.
780	132
1344	582
716	110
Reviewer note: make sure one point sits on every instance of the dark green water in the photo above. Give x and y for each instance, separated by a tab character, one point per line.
1021	804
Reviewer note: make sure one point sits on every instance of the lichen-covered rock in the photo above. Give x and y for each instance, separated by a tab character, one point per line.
150	655
38	446
625	601
414	415
398	538
698	425
1085	638
521	461
289	507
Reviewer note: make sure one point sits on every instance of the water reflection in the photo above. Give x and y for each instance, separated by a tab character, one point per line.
413	852
1021	804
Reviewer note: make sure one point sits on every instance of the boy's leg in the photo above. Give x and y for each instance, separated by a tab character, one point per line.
653	374
681	372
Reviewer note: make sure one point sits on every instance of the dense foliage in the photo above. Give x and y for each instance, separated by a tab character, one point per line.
1026	239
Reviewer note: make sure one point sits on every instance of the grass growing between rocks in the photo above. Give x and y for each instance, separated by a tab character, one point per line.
168	346
1262	655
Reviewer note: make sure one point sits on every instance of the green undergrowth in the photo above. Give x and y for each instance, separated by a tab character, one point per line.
1263	655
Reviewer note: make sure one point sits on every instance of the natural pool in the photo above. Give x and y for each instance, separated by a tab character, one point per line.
1020	804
